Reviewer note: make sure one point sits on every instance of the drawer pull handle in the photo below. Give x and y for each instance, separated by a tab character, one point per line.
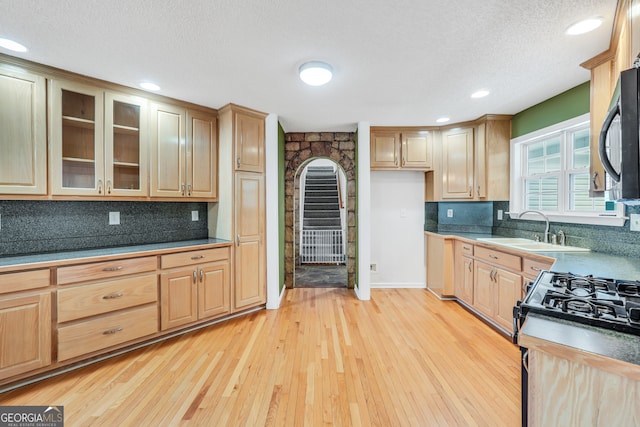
493	256
197	257
466	248
118	268
113	296
195	276
201	275
113	331
534	268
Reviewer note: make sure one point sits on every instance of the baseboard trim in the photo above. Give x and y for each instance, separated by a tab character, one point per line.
406	285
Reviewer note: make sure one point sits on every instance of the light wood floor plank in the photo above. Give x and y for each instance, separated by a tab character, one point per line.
324	358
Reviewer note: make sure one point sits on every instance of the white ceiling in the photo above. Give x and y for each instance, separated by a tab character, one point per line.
396	62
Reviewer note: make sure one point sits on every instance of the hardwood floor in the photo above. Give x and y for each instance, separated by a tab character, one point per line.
324	358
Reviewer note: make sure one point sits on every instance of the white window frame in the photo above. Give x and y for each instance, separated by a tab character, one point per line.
516	203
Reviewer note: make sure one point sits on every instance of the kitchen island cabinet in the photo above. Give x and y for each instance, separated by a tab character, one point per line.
580	375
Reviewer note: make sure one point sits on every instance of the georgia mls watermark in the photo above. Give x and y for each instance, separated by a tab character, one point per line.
31	416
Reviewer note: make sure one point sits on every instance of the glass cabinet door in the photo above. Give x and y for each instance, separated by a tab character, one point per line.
125	145
76	140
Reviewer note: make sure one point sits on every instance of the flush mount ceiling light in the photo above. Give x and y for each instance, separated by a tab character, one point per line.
480	94
443	120
150	86
11	45
584	26
315	73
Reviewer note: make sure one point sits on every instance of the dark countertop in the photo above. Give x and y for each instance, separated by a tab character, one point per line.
45	258
595	263
540	332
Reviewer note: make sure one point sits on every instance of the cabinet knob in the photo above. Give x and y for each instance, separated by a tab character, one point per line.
108	186
189	190
182	188
99	186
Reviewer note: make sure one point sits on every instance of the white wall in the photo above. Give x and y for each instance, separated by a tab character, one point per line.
397	229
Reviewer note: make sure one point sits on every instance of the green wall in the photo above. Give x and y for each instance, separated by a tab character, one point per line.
564	106
281	210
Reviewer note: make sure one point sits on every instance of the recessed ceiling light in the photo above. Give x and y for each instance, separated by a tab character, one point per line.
480	94
150	86
443	120
584	26
11	45
315	73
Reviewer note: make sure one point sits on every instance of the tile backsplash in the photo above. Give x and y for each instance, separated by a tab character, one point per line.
481	217
28	227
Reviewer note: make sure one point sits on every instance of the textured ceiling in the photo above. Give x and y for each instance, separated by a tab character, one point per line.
396	62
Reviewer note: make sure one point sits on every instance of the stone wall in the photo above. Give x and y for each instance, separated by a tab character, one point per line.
300	149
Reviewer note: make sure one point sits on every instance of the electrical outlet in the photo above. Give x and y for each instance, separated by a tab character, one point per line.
499	214
114	218
634	222
449	213
194	215
373	267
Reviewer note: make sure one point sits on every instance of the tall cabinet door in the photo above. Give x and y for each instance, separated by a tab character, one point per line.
168	175
126	159
23	138
76	139
249	140
457	164
202	155
250	268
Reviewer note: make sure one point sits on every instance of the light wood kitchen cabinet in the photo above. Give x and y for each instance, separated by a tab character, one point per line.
23	133
197	289
463	271
457	164
241	212
497	285
184	153
439	261
98	142
402	149
475	161
605	69
250	268
249	141
25	322
103	304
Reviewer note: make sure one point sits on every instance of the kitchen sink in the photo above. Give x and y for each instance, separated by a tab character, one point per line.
530	245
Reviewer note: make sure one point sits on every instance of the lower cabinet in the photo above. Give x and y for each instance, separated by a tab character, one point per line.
439	252
25	332
463	271
196	291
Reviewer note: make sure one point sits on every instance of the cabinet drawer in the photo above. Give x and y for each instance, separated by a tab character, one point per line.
194	257
24	280
88	300
106	331
105	270
466	248
531	268
498	258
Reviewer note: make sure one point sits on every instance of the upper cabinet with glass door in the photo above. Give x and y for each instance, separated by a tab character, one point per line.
97	142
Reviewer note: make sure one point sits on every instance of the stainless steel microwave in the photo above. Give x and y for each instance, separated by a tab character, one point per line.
619	140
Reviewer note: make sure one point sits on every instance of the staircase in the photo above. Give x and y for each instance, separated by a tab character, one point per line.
321	223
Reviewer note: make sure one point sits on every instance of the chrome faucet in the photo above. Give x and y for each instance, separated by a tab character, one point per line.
546	220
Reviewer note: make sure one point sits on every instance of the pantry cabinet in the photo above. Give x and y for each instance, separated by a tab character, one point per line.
401	149
23	133
183	153
98	142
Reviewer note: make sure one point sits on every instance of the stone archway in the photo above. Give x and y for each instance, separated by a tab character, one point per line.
299	148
